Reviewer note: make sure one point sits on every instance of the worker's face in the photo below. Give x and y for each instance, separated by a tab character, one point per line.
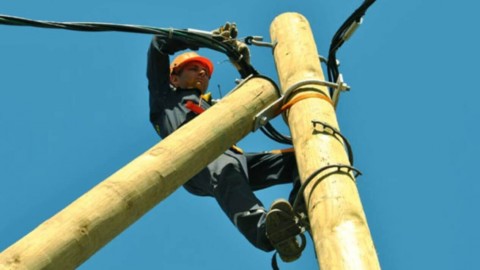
192	75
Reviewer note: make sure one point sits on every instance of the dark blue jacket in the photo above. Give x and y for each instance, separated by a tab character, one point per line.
167	104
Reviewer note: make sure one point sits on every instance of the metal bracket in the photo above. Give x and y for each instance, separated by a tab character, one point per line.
274	108
342	87
294	87
258	41
299	84
270	112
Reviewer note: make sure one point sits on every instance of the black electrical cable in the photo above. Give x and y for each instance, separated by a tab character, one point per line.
195	38
273	134
338	39
199	39
206	41
342	34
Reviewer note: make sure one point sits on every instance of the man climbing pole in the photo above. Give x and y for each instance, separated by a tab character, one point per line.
177	95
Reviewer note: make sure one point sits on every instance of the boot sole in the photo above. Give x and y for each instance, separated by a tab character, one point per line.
282	230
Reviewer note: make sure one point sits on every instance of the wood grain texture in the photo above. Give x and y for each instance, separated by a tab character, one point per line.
338	223
73	235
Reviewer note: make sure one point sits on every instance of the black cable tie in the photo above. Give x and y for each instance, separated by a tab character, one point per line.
336	132
339	167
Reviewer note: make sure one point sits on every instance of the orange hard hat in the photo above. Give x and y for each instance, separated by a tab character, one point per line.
187	57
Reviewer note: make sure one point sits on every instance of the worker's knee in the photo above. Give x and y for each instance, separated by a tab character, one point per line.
229	170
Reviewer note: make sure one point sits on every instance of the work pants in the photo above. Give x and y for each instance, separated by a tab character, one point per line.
231	180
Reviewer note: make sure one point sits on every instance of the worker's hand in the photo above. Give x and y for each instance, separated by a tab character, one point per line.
244	52
173	45
227	31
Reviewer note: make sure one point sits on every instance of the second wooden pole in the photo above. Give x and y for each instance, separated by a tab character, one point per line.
338	223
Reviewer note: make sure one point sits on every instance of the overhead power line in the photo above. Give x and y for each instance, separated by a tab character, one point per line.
345	31
206	39
195	37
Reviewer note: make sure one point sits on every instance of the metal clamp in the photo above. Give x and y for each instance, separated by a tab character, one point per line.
270	112
340	86
258	41
336	92
299	84
294	87
274	108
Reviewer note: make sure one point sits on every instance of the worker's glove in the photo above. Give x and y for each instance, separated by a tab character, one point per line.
244	54
172	45
228	33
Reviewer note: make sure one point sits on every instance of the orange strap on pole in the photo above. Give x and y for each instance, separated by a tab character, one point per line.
303	96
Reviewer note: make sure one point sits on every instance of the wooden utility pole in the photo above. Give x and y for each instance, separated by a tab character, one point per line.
338	223
82	228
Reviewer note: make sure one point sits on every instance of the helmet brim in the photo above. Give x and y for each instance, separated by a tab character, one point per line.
203	60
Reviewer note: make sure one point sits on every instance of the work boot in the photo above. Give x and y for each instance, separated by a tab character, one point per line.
283	229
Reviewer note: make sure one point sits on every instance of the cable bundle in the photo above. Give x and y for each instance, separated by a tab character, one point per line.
195	37
343	34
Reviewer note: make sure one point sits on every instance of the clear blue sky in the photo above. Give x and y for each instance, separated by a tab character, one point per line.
74	109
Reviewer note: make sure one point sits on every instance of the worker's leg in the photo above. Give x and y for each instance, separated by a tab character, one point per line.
267	169
226	179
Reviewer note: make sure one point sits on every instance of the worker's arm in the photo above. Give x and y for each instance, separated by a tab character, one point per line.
158	70
158	74
167	110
